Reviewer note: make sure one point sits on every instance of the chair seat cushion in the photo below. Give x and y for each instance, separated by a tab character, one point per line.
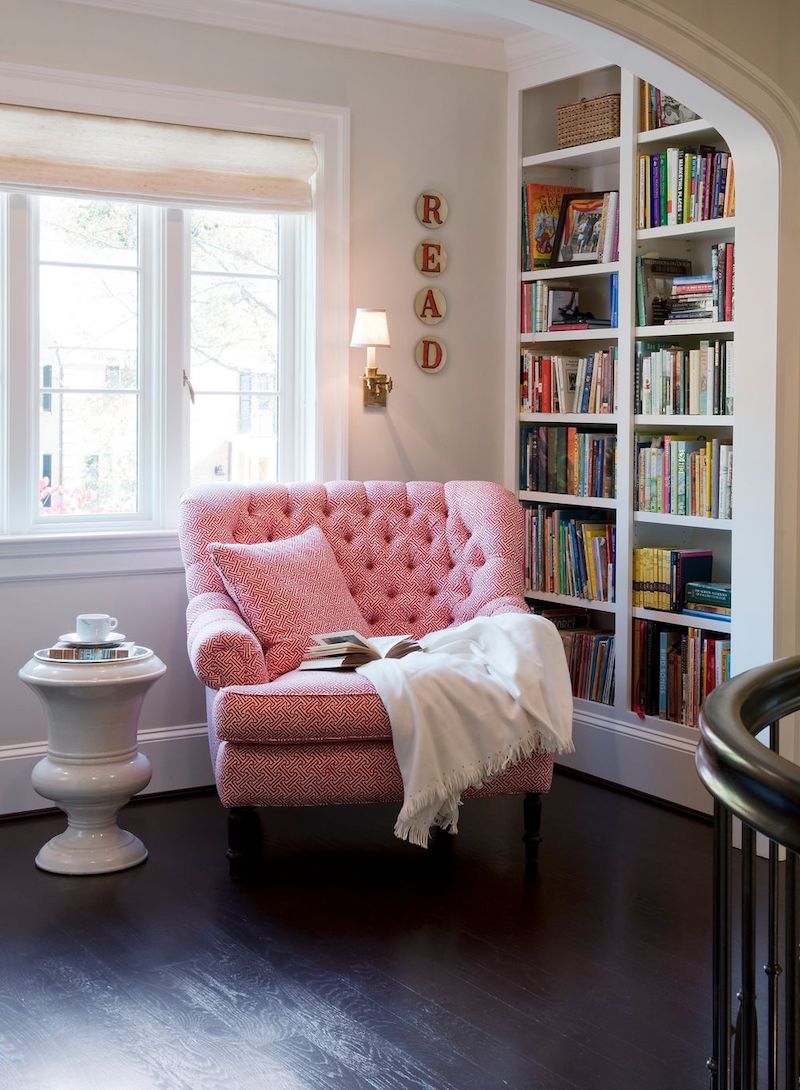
288	591
301	708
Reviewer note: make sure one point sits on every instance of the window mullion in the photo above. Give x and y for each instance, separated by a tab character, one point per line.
175	356
149	430
23	371
296	404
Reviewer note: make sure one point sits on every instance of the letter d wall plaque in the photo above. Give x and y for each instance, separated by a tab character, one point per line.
430	354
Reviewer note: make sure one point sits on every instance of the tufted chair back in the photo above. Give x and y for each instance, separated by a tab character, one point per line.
417	557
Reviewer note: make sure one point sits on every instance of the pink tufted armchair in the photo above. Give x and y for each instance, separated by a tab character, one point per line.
417	557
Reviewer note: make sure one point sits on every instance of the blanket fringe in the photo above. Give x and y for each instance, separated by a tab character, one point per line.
414	820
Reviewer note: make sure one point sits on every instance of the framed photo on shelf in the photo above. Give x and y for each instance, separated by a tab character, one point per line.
578	238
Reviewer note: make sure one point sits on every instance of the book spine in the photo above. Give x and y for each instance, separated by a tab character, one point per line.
708	616
707	594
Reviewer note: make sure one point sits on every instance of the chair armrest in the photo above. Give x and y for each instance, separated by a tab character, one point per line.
223	650
512	603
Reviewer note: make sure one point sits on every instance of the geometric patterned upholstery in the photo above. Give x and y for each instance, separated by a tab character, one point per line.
302	708
358	772
416	557
286	591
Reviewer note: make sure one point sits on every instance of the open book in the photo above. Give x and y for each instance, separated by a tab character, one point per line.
345	650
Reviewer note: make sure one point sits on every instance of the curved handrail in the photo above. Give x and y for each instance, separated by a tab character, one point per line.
759	786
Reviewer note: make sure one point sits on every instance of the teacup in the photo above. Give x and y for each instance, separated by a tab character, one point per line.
95	627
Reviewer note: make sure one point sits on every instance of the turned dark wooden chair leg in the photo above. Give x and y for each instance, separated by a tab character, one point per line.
245	854
532	837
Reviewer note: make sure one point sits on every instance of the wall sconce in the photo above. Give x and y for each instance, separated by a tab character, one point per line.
371	330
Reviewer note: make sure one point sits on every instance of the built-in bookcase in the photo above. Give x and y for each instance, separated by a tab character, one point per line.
612	740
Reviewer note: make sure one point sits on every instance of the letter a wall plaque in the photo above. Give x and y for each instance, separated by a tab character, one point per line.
430	305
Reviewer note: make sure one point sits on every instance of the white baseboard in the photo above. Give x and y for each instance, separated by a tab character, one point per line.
179	756
637	757
616	751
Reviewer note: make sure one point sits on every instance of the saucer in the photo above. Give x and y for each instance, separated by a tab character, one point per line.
109	641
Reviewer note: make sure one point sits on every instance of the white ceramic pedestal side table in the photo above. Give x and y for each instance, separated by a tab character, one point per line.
93	766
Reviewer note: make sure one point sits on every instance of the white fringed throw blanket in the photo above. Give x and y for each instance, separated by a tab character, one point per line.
481	697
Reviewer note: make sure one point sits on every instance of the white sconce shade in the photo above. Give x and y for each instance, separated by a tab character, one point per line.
370	328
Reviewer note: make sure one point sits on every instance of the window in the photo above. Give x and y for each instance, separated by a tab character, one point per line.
117	313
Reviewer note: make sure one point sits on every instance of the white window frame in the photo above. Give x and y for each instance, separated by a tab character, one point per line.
326	393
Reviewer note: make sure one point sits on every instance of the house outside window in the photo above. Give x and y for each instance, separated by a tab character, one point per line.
126	306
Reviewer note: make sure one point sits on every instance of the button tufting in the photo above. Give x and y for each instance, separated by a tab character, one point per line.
369	565
347	537
412	620
387	539
391	594
432	592
410	565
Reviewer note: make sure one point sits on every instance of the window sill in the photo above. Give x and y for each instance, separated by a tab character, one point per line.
89	555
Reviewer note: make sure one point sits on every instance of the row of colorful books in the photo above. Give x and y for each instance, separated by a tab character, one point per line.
667	291
705	296
674	670
589	651
548	308
568	461
570	552
684	381
590	658
685	185
684	475
568	384
679	581
658	110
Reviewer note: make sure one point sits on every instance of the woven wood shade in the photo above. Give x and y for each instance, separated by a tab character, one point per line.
152	161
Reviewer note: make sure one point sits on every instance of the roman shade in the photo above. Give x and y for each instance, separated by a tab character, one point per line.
153	161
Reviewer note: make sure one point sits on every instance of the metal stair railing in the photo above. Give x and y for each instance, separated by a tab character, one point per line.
751	781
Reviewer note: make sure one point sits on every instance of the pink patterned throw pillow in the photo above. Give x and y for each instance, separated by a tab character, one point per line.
287	591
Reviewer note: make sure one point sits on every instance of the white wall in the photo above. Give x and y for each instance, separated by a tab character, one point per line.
413	125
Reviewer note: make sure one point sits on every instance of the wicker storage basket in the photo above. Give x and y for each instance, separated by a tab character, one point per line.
588	120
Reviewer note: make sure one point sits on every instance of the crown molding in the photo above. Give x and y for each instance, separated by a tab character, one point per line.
542	51
319	27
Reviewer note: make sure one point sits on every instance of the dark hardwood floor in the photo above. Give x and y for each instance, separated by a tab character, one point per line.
363	962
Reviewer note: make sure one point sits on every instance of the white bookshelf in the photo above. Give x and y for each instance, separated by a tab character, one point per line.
683	329
563	499
650	751
567	336
682	620
567	418
577	272
679	420
570	600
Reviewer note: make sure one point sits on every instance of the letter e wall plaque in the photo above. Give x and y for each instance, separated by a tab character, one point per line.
430	258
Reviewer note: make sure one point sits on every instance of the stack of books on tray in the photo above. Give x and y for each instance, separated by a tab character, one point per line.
68	649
